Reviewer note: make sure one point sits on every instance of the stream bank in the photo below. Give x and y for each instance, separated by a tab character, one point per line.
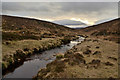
23	55
93	58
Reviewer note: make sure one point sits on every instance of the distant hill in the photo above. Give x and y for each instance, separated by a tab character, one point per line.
108	30
28	28
104	20
68	22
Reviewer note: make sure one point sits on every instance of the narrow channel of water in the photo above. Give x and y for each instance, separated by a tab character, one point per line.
32	64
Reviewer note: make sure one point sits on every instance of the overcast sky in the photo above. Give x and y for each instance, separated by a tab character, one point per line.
86	12
60	0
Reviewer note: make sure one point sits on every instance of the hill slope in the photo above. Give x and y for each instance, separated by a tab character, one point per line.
108	30
22	37
27	28
95	57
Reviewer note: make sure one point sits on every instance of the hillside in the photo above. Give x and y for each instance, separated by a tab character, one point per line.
22	37
108	30
96	57
93	58
18	28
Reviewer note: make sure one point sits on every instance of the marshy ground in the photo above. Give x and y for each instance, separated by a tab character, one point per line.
93	58
96	57
16	51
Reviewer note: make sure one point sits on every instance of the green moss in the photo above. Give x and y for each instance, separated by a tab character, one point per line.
59	56
5	65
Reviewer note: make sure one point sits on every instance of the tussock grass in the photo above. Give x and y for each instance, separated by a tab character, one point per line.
17	51
59	56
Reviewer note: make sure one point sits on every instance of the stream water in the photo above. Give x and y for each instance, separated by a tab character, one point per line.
33	64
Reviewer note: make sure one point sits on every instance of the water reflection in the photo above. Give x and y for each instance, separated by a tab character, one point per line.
32	65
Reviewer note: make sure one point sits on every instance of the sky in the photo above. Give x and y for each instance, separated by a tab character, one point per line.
84	13
60	0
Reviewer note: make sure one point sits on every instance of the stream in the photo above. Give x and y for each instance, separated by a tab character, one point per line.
34	63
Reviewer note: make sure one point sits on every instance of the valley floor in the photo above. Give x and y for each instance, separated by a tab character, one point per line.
93	58
15	52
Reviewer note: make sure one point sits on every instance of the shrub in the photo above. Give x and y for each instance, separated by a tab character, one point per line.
8	42
59	56
96	52
109	64
4	65
59	67
112	58
87	51
95	61
66	40
17	36
26	49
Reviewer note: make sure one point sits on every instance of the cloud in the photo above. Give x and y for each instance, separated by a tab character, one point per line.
68	22
23	6
60	1
90	11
